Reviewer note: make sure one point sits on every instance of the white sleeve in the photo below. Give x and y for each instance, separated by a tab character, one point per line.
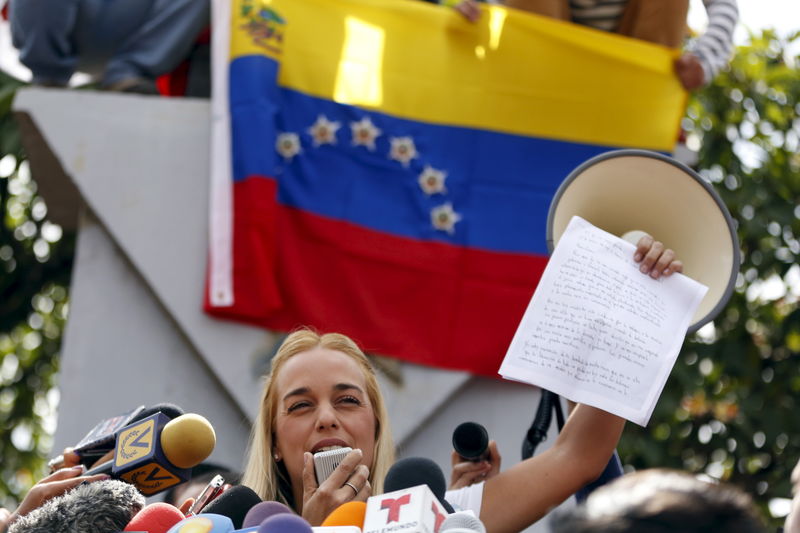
466	498
715	45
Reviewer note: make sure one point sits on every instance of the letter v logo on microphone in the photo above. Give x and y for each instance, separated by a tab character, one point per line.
394	505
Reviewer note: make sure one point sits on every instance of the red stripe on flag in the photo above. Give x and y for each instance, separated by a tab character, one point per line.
424	302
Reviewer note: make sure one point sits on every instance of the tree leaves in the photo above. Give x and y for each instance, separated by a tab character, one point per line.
735	386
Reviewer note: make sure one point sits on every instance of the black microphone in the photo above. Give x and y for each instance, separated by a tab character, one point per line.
413	471
233	503
100	507
471	441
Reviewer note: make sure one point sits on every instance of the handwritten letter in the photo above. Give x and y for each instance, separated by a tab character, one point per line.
597	331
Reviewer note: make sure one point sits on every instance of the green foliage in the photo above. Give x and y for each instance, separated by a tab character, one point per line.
35	265
729	408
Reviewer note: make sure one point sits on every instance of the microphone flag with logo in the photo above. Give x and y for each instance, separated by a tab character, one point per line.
157	452
412	510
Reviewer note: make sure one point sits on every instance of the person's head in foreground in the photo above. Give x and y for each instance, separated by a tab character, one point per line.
661	501
321	393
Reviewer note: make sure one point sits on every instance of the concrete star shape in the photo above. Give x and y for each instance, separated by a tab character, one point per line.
431	181
323	131
444	218
402	150
364	133
288	145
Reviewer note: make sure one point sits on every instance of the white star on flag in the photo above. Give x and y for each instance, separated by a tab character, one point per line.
288	145
323	131
402	150
444	218
364	133
431	181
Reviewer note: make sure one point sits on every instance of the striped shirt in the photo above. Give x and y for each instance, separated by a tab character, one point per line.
713	48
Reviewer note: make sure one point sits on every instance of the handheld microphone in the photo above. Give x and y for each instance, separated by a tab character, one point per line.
234	503
101	439
100	507
471	441
462	522
203	523
156	453
413	471
285	523
347	514
261	511
157	517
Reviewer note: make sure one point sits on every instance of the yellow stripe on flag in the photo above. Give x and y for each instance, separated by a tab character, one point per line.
511	72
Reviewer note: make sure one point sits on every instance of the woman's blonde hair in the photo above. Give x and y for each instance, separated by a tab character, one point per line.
262	473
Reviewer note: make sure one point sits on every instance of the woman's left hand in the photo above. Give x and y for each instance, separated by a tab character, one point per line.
348	482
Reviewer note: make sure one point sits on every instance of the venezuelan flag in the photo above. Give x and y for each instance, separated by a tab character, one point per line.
391	165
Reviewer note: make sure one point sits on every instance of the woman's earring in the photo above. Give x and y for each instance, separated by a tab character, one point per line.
277	457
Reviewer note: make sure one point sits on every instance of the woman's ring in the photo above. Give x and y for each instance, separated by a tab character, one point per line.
352	487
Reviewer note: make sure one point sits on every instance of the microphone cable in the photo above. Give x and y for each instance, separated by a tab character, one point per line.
548	403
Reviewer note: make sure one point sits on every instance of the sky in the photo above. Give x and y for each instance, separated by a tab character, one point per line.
783	15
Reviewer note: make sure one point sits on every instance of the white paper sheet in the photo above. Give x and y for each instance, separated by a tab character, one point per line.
598	331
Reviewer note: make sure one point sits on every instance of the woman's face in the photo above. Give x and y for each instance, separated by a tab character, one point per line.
322	404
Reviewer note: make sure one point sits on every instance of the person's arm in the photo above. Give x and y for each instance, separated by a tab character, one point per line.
53	485
712	50
5	519
520	496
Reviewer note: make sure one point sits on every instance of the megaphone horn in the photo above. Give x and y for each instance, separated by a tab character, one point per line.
637	190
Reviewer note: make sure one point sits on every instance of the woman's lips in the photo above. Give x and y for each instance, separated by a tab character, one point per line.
326	444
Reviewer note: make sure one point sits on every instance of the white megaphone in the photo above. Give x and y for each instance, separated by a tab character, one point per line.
627	192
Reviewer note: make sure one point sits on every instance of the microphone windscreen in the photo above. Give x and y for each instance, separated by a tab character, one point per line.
157	517
233	503
188	440
169	409
470	440
261	511
204	523
462	522
347	514
285	523
413	471
100	507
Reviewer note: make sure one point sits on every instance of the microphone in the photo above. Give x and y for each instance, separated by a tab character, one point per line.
157	517
156	453
462	522
285	523
100	507
101	439
347	514
261	511
413	471
413	501
203	523
471	441
234	503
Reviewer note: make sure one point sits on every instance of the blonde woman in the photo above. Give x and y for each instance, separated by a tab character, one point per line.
322	393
